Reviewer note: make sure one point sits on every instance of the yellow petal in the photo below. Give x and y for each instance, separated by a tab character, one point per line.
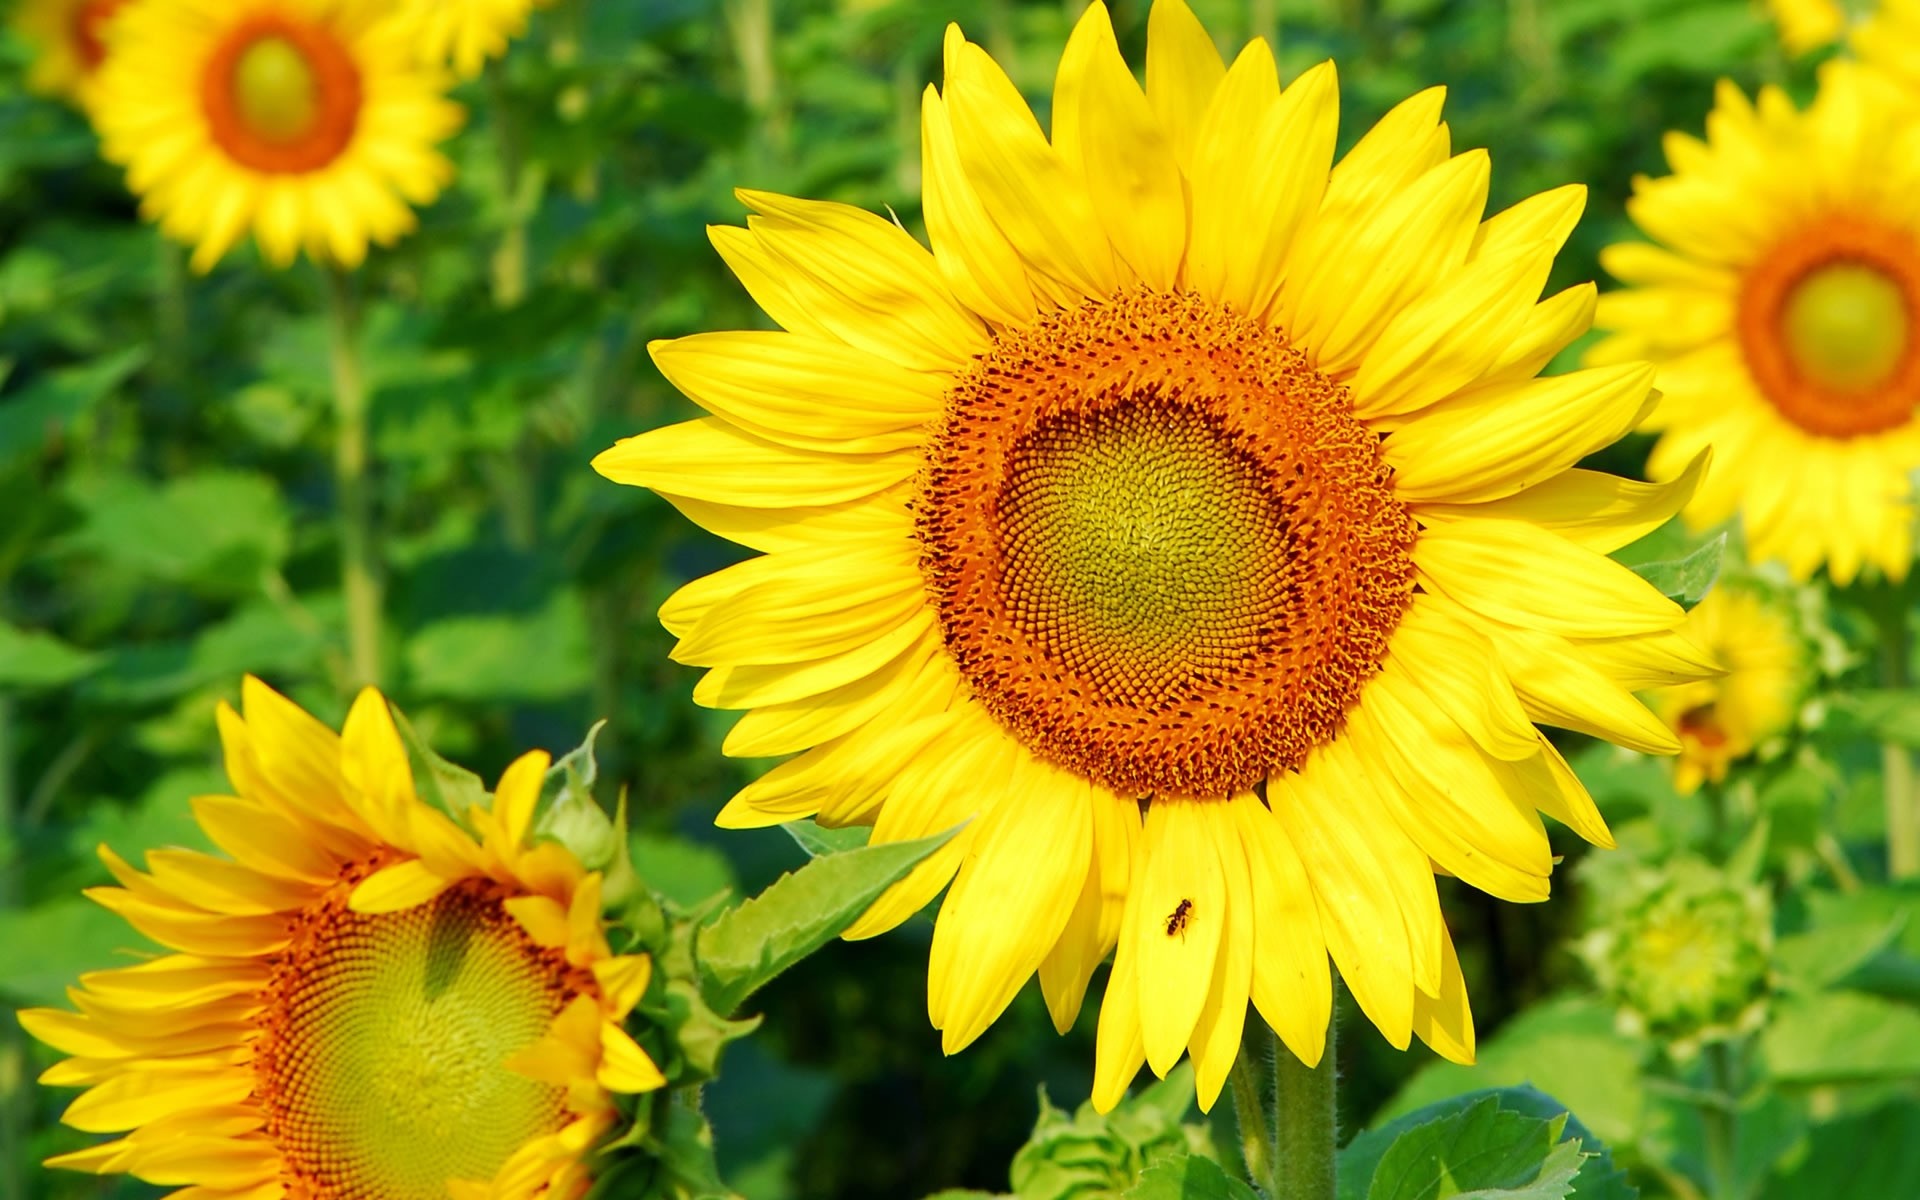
975	258
624	1066
1216	1035
398	888
1455	666
1177	926
1291	986
1183	70
808	613
710	459
1523	575
1094	928
1444	1021
518	793
1589	508
1119	1049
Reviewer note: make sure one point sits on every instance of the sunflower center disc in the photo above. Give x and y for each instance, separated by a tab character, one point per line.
1164	552
1826	325
281	96
275	90
382	1059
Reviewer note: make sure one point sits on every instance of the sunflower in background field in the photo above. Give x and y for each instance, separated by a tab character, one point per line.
1181	470
69	44
309	123
1809	25
369	999
1754	633
1782	305
1889	41
462	35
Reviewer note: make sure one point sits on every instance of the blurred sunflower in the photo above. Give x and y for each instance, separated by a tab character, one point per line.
464	34
369	999
69	43
308	122
1889	40
1781	310
1182	471
1807	25
1754	637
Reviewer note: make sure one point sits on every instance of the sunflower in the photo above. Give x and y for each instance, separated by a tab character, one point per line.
368	999
1754	637
1807	25
464	34
1889	40
308	122
69	42
1781	309
1188	524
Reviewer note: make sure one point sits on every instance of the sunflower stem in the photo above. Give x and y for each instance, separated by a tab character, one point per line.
1896	762
1251	1081
1718	1120
509	266
1306	1124
359	574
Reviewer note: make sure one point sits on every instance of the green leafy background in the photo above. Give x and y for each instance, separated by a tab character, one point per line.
168	521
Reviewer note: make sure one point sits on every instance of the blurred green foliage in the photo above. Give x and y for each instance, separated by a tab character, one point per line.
168	521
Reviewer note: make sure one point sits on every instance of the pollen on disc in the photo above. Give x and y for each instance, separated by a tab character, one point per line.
382	1064
1164	552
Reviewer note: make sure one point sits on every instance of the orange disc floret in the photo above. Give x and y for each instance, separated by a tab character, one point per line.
1163	550
282	95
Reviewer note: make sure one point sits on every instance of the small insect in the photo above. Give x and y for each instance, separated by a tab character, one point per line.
1177	919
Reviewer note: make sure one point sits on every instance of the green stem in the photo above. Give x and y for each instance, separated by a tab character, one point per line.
1896	762
359	572
1719	1117
1251	1081
509	266
1306	1123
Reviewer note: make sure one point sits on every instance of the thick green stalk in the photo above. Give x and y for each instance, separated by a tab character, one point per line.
1896	761
1718	1117
1251	1082
359	572
1306	1124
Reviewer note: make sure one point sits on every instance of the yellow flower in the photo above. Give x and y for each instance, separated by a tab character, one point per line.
464	34
369	999
1807	25
1889	40
69	43
1179	470
1722	719
1780	307
307	122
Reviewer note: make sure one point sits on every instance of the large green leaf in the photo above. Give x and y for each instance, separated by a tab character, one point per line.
1882	714
800	912
217	529
1832	1036
1595	1178
1864	1156
817	840
1483	1150
31	660
45	409
542	655
1685	580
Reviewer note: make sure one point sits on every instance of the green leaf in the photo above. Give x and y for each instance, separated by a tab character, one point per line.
261	639
800	912
219	529
1483	1151
1598	1178
539	656
1188	1177
1880	714
1870	1156
1820	958
685	872
1686	580
817	840
43	949
31	660
1834	1036
48	407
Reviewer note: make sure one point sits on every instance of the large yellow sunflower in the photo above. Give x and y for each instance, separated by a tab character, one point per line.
1188	523
464	34
369	999
1781	308
1753	635
69	44
310	123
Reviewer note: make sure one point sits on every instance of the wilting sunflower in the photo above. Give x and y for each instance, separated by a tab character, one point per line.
1781	308
1754	637
464	34
1187	523
310	123
69	44
369	999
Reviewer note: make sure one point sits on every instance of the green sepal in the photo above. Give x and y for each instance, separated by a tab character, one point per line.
1500	1144
800	912
447	786
1089	1154
1686	580
677	1025
665	1154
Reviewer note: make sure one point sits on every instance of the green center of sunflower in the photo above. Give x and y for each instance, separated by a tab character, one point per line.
275	90
1164	552
1846	326
1139	546
382	1061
